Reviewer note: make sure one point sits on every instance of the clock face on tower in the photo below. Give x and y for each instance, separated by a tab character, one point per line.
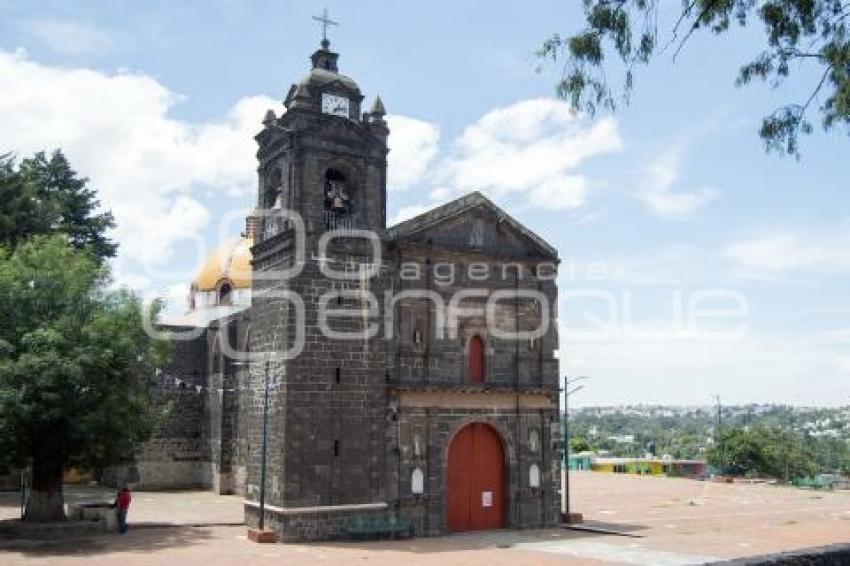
334	104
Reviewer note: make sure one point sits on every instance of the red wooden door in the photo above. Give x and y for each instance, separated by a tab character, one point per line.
476	480
476	359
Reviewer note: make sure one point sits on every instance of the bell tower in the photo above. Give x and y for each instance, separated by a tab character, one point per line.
324	158
322	173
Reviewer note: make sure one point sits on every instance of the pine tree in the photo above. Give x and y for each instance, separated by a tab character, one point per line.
66	204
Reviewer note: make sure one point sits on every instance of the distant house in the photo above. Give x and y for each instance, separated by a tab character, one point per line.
644	466
582	461
639	466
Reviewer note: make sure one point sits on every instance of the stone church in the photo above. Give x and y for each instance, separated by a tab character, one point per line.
410	368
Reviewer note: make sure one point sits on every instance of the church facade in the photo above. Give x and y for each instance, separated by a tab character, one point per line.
410	369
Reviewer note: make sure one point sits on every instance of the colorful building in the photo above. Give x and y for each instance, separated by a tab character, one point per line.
637	466
581	461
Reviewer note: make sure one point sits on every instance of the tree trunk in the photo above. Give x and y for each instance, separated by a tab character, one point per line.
45	502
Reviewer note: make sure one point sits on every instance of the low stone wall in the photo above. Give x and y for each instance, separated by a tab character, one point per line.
832	555
156	475
312	523
152	475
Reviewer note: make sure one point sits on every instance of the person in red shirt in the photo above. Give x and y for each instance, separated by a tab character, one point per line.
122	503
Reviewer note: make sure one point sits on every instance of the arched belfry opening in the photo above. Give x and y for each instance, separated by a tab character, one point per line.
273	189
337	198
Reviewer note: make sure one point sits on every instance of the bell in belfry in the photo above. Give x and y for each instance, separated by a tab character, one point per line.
339	205
338	198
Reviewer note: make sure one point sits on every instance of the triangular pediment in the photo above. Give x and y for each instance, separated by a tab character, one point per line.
473	222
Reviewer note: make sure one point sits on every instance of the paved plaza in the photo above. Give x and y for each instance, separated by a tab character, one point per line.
671	521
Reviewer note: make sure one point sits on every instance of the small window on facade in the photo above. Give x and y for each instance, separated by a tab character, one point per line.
476	360
417	482
417	337
417	445
534	476
338	372
336	448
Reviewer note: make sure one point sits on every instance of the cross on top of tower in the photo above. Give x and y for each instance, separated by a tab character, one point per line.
325	21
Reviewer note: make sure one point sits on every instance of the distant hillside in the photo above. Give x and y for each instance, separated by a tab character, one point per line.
688	432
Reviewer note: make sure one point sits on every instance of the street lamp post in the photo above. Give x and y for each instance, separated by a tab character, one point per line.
260	534
567	392
261	524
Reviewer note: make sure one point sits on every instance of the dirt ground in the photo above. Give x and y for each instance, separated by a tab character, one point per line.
671	522
713	519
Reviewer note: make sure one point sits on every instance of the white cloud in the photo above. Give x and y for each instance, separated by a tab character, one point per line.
568	191
789	251
533	148
413	146
66	37
408	212
658	195
757	367
530	150
440	193
116	130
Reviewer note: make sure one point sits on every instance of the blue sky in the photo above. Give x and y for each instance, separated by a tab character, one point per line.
157	103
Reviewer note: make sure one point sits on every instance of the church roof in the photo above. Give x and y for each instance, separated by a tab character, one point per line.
460	206
231	261
200	318
321	77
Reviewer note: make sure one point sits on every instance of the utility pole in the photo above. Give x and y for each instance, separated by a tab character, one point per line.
788	442
567	392
718	436
263	449
260	534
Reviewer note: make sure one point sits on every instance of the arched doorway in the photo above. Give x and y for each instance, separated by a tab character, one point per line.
476	479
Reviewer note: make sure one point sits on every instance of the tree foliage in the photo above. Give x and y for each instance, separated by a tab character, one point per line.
763	451
799	34
46	196
823	434
76	366
579	444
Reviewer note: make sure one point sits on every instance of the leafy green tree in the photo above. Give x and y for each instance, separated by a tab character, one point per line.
76	367
803	36
18	215
763	451
737	452
46	196
788	455
579	444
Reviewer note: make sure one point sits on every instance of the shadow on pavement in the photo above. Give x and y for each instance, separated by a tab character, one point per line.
137	540
606	527
476	540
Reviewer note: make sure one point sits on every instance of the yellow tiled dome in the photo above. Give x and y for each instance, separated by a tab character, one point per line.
232	262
